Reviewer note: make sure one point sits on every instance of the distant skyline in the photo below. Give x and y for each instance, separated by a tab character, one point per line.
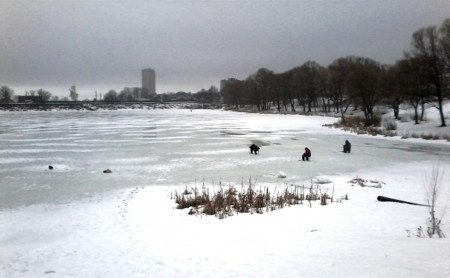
102	45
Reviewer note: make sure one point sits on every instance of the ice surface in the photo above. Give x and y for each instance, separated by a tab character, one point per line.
76	221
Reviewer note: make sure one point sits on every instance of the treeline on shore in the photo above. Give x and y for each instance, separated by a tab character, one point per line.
421	77
127	95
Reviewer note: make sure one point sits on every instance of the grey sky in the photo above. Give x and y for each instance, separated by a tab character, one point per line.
101	45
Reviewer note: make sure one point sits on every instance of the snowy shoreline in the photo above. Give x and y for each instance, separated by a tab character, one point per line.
94	106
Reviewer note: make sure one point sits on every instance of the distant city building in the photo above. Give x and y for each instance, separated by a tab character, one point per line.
30	99
148	83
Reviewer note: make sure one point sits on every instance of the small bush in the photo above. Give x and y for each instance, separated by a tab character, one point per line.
352	122
432	194
426	136
390	124
435	137
358	125
414	135
375	121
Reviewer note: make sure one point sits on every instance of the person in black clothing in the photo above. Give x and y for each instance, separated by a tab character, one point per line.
347	147
306	155
254	149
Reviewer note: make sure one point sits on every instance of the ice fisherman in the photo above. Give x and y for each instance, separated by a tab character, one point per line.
347	147
306	155
254	149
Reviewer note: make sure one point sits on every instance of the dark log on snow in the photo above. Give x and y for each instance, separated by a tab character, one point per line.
387	199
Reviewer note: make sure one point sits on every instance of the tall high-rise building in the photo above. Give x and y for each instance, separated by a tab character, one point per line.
148	81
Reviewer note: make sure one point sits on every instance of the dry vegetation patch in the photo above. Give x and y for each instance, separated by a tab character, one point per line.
386	128
366	183
228	200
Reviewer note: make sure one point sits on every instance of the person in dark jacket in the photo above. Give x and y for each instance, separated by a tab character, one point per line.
306	155
347	147
254	149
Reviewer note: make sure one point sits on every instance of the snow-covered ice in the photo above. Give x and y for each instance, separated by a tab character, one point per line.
76	221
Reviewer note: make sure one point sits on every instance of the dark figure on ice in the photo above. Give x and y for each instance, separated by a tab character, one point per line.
254	149
347	147
306	155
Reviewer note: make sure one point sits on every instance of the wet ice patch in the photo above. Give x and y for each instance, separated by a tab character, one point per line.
219	151
134	160
260	143
321	180
9	160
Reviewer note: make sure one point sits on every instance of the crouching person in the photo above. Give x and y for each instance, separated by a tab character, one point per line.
254	149
306	155
347	147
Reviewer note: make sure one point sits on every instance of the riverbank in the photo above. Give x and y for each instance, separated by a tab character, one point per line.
94	105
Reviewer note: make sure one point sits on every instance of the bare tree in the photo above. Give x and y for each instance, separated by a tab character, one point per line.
363	83
211	95
277	87
289	94
239	93
433	191
6	94
338	74
307	75
126	95
297	87
45	95
444	42
391	89
412	84
426	47
73	93
323	88
111	96
259	84
30	93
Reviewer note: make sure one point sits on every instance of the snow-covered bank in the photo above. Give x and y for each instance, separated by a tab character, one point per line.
100	105
430	126
137	233
77	222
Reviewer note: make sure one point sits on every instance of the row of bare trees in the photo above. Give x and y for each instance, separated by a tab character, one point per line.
7	95
421	77
210	95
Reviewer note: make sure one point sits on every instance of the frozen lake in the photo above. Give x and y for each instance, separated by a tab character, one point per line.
175	147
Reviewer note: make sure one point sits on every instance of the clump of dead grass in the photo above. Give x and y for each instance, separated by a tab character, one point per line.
366	183
228	200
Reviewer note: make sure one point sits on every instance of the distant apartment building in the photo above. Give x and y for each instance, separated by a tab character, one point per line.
148	83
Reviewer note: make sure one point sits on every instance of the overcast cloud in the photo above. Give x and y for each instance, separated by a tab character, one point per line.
101	45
